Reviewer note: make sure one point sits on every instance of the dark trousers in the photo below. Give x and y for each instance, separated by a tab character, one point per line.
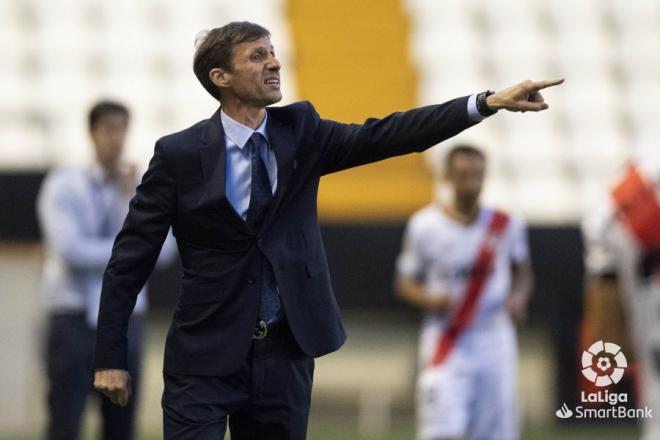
69	355
268	398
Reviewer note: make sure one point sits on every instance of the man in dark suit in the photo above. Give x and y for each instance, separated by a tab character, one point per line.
239	191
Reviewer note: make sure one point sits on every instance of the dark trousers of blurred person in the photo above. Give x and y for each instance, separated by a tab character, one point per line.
70	351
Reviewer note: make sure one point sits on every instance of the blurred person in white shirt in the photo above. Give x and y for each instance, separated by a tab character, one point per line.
467	267
622	258
81	210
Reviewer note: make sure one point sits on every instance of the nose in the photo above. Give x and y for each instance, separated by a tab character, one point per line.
274	64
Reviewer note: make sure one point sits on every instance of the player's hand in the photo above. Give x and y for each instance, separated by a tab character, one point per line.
522	97
439	304
516	305
114	383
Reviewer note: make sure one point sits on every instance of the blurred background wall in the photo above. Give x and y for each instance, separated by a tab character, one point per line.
353	60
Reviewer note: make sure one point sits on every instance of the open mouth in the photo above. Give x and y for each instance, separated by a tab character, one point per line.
272	81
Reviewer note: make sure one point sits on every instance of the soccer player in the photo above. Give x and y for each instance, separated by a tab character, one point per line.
622	239
467	266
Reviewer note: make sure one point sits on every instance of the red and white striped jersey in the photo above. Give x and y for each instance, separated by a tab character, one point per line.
441	253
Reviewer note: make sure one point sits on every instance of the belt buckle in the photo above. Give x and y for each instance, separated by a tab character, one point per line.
260	331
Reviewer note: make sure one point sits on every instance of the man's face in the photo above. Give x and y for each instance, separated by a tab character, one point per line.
255	75
108	136
466	174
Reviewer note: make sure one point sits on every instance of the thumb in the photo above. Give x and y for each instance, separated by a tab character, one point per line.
125	393
528	106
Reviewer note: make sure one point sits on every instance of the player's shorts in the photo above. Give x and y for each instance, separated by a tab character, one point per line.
473	394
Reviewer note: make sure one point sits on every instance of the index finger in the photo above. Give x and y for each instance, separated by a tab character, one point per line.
538	85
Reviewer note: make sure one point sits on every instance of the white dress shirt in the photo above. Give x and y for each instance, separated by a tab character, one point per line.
80	213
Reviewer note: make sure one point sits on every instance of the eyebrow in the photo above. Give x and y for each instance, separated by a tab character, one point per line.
271	47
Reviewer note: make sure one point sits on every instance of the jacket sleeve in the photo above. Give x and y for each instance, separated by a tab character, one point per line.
134	255
345	146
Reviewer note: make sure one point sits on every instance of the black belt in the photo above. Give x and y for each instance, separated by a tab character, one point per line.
273	330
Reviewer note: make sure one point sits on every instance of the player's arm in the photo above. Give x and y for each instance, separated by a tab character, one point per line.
411	291
522	281
604	315
349	145
134	254
410	268
522	276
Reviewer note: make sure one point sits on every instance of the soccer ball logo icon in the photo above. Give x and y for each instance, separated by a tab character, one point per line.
603	363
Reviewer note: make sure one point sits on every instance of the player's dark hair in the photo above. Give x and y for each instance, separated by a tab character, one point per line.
460	149
106	107
216	50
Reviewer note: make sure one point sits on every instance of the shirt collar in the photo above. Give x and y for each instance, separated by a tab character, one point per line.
238	133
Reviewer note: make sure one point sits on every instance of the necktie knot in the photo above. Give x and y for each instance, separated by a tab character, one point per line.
255	142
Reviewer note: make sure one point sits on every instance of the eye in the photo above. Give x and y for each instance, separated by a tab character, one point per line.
256	56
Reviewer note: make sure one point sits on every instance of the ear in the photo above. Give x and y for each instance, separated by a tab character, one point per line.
220	77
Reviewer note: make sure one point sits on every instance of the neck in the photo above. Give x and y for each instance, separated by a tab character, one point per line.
243	113
110	170
463	210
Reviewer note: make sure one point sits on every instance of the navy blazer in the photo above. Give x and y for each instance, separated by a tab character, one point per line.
184	187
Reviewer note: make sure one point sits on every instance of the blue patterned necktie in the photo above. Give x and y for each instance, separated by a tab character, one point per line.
261	196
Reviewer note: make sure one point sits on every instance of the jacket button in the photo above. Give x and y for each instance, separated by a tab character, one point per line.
250	280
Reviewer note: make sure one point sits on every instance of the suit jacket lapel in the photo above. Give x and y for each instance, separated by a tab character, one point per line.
282	142
213	157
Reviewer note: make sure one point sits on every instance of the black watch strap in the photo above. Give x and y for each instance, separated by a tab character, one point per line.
482	107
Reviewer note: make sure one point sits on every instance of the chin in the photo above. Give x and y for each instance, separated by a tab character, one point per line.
274	99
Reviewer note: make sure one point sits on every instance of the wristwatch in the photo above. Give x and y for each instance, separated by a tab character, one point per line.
482	107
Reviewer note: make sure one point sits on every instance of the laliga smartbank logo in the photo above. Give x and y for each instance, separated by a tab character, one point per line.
604	364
